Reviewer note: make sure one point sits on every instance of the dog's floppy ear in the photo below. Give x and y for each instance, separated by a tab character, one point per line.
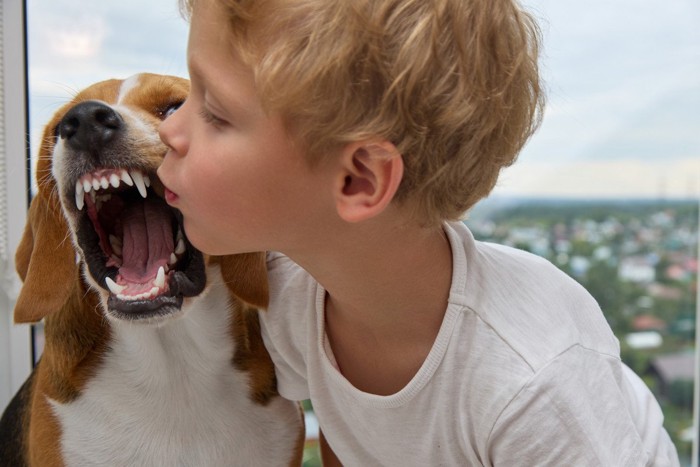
45	261
246	277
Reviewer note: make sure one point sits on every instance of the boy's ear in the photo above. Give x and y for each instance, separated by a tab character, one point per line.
371	172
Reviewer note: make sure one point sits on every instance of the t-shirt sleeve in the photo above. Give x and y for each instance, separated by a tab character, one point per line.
585	409
285	324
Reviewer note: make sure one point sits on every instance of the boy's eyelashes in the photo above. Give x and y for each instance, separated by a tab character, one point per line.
210	117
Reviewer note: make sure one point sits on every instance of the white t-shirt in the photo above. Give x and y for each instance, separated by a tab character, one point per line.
525	371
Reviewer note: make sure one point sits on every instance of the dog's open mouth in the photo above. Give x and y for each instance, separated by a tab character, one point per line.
134	245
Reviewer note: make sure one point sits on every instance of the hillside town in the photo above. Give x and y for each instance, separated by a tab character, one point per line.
639	259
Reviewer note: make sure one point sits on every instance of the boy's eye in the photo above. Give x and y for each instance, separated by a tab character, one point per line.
211	118
168	110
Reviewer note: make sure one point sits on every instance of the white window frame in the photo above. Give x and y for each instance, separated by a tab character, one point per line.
15	340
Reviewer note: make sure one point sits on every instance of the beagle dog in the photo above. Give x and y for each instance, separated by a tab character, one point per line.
153	353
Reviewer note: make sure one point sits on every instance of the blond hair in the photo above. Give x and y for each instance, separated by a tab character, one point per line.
454	84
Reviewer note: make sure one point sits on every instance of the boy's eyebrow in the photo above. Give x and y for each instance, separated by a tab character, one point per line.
193	68
197	73
224	97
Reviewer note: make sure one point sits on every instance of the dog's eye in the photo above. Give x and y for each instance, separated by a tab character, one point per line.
168	110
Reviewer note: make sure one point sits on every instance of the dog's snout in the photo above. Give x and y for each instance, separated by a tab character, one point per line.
90	126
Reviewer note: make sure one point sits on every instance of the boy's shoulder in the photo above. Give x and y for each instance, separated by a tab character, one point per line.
535	308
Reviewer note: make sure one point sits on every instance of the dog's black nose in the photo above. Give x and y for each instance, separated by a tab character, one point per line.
90	125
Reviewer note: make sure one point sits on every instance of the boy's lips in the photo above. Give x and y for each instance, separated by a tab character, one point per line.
170	196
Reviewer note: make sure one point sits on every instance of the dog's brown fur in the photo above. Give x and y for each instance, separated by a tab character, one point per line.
77	334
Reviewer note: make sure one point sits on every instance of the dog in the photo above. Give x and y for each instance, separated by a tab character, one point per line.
153	353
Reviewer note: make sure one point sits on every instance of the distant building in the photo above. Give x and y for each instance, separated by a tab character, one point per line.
637	269
666	369
665	292
648	323
644	340
579	265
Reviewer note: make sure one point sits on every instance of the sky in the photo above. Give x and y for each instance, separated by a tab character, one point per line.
622	80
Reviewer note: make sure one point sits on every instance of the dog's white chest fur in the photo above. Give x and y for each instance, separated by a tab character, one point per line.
170	396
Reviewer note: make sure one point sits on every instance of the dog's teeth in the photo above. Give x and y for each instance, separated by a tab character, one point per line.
126	178
87	186
95	184
138	181
115	288
104	183
180	248
173	259
152	293
147	180
79	196
160	278
114	180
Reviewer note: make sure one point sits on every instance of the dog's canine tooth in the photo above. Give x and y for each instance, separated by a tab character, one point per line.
126	178
114	180
138	181
173	259
79	195
147	180
160	278
115	288
180	248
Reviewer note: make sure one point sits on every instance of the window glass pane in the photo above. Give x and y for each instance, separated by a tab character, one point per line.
607	189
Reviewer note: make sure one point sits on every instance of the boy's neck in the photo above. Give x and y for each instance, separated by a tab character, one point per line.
387	290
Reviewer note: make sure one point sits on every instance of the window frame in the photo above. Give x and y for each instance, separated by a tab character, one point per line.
15	340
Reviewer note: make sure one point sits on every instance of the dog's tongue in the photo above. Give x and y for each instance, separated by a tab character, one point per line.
148	240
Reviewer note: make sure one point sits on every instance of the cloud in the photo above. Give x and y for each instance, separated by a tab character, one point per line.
79	39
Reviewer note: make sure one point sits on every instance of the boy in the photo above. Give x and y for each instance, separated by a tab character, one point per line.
349	136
